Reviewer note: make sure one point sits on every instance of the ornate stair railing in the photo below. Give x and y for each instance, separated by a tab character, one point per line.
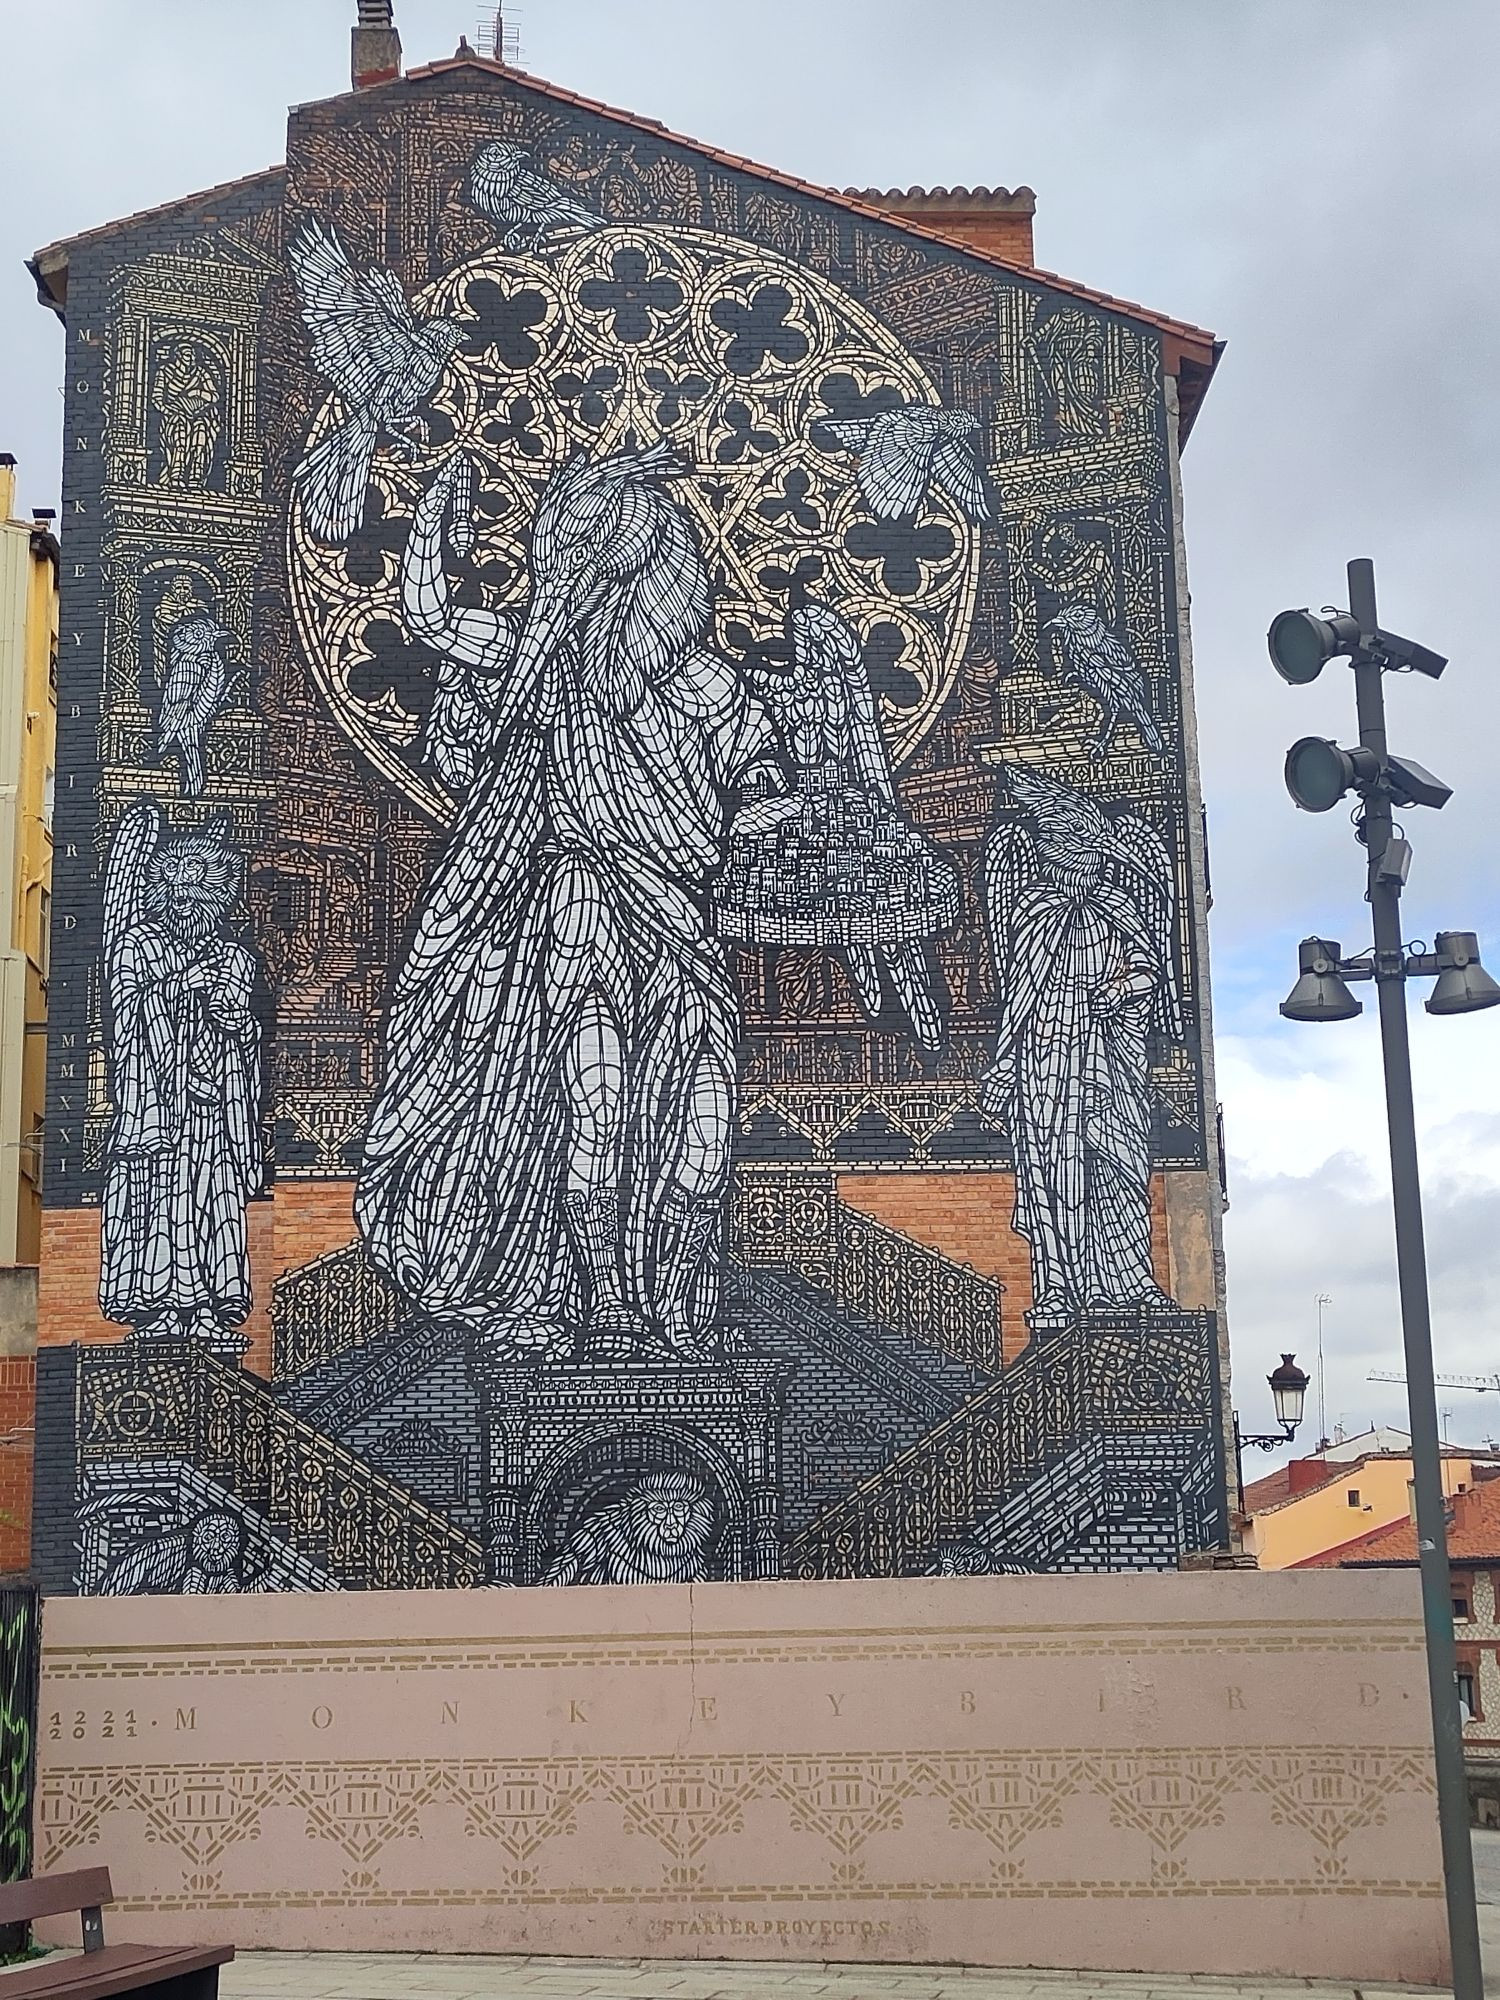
339	1301
323	1309
1131	1376
797	1220
171	1400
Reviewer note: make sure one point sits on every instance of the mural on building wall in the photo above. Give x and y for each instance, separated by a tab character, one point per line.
183	1151
653	703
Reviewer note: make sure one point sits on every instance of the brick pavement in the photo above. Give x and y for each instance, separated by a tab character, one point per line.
361	1976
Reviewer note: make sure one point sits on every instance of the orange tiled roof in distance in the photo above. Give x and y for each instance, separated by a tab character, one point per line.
1473	1536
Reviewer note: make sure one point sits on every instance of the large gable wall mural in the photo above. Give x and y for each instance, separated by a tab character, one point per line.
629	996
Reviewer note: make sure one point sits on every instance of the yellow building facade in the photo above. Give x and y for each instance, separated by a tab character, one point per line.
29	564
1315	1505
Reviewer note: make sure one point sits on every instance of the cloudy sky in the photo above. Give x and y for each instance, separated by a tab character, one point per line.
1314	180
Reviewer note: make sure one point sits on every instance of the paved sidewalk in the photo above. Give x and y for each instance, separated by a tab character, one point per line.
360	1976
396	1976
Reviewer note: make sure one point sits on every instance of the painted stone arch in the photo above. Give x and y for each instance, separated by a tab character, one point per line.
589	1473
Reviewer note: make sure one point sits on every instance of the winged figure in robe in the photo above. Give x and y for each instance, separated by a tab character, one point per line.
1080	911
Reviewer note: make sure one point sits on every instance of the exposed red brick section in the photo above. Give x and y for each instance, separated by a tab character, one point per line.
995	221
311	1217
976	1230
67	1307
305	1219
17	1433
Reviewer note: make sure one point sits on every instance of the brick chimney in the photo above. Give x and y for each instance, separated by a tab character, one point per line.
998	220
374	46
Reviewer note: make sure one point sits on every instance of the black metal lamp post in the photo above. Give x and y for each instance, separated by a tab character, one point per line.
1288	1394
1318	775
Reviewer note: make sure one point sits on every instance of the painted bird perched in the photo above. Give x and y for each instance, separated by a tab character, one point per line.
367	342
197	676
903	451
1093	659
505	186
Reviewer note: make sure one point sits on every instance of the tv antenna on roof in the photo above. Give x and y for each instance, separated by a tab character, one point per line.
1480	1384
500	36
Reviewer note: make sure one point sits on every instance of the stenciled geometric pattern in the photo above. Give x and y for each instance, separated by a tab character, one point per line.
677	1818
736	359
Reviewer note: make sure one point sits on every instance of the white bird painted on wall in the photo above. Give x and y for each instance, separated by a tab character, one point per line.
367	342
505	186
1095	660
197	676
901	452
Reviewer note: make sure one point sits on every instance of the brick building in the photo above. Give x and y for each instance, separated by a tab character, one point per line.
630	995
1346	1491
1474	1559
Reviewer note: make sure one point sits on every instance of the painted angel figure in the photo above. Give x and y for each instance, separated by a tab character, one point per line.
549	1151
183	1154
835	862
1080	914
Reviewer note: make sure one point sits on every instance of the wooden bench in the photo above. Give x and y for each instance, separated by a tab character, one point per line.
164	1971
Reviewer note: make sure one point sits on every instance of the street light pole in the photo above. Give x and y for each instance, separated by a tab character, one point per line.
1416	1320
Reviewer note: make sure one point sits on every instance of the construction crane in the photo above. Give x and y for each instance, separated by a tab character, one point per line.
1478	1383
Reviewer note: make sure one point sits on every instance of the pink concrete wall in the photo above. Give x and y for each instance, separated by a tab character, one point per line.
1213	1773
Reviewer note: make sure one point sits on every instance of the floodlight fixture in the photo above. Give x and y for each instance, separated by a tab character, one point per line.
1320	993
1318	773
1463	986
1301	643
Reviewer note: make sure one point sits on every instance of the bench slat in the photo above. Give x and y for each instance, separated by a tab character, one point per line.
54	1895
119	1968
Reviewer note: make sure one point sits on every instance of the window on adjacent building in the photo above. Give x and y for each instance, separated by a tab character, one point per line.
1468	1686
44	933
1353	1496
31	1150
49	796
1460	1607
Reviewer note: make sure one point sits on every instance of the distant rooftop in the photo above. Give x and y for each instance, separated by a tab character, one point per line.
1300	1476
1021	200
1473	1536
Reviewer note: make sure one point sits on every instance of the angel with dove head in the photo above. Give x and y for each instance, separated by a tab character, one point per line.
548	1154
183	1153
1079	910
